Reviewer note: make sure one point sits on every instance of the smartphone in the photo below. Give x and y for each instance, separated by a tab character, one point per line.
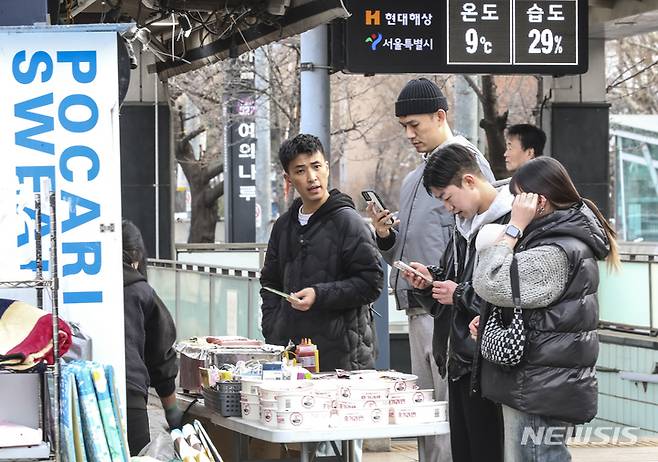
288	297
371	196
404	267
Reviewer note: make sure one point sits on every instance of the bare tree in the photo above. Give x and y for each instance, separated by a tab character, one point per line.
632	74
202	166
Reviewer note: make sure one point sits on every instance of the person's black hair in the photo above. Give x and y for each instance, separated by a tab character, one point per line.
134	250
548	177
301	144
529	136
448	165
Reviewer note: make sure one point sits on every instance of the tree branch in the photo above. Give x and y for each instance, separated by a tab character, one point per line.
212	170
193	134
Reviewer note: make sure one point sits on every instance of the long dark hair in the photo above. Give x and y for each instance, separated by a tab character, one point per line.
548	177
134	250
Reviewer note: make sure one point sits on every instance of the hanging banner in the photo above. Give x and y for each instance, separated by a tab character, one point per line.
59	117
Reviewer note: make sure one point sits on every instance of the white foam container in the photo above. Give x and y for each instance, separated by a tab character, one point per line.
269	390
251	385
436	411
289	420
249	398
268	417
410	397
374	416
363	390
307	401
250	411
399	381
268	404
367	404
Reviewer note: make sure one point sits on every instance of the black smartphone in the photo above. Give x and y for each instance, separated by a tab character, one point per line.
371	196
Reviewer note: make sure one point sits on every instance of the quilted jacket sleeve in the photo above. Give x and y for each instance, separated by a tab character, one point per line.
270	276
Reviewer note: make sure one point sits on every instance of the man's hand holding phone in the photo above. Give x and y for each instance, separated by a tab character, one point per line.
416	274
383	221
442	291
382	218
303	300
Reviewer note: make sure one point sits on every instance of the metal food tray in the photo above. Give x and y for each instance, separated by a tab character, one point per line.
220	356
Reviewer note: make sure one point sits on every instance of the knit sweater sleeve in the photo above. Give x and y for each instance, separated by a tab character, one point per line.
543	275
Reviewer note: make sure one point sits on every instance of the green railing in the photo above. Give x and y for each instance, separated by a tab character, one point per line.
208	300
628	299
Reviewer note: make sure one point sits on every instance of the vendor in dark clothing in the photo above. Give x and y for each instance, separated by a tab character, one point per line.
322	251
150	333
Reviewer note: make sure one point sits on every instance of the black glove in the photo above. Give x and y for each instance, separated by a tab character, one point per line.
174	417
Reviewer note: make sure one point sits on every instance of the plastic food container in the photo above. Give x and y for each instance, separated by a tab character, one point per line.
409	397
368	404
250	385
268	417
357	417
303	402
363	390
250	411
399	382
289	420
270	390
249	398
419	413
268	404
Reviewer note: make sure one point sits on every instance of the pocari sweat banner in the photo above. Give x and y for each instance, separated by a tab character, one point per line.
59	132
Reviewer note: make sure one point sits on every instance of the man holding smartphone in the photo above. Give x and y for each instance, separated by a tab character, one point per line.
421	232
323	266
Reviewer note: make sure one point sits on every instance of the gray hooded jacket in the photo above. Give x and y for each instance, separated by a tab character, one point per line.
424	229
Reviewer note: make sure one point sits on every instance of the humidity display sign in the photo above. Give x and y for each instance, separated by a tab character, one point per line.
452	36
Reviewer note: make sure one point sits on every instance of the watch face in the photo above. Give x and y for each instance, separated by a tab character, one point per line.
513	231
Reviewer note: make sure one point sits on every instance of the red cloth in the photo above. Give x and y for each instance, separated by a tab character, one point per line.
28	330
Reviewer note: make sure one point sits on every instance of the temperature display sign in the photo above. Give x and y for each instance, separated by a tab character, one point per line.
513	32
462	36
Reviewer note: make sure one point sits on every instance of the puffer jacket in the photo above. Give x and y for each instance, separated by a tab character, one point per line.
556	377
336	255
149	334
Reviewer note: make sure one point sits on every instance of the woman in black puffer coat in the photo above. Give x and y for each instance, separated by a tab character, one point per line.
562	237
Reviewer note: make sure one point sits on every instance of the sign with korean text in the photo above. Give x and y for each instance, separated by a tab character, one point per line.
240	157
59	115
465	36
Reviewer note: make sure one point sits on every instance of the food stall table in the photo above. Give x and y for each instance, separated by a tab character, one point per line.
309	437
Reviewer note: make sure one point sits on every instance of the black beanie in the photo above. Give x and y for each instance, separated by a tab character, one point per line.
420	96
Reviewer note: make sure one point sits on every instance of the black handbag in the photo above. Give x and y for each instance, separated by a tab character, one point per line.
504	345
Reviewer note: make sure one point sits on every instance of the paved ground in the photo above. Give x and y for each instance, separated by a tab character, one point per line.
644	451
406	450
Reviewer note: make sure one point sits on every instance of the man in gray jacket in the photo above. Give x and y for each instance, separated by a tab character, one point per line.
421	232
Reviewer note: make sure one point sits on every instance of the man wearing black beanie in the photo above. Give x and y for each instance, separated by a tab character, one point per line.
421	235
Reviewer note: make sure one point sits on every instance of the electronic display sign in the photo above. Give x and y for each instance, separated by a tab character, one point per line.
463	36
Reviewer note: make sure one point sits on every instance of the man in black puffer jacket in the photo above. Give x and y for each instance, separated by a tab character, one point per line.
322	252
